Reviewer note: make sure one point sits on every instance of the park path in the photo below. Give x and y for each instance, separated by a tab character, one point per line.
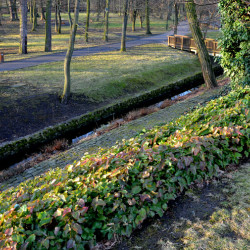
183	29
109	139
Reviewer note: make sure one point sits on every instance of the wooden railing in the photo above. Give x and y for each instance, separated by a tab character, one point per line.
187	43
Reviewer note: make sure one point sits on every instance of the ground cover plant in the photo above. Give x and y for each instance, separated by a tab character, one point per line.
115	190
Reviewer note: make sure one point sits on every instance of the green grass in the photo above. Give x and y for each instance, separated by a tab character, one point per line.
9	41
104	76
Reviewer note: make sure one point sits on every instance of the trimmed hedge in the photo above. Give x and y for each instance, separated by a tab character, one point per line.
28	144
115	190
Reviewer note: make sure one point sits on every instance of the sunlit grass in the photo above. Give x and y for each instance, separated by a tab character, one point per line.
108	75
9	41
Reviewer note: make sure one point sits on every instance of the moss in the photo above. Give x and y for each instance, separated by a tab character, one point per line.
28	143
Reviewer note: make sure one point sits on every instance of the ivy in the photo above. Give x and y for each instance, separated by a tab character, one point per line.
234	42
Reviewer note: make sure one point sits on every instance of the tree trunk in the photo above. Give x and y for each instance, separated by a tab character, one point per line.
134	14
34	11
56	16
175	18
87	22
124	26
98	10
106	27
1	13
12	8
67	61
203	55
59	30
42	10
23	27
148	32
48	27
69	15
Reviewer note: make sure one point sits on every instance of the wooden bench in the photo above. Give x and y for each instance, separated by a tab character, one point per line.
187	43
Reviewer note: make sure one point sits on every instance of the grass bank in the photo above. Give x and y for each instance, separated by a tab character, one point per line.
104	76
114	190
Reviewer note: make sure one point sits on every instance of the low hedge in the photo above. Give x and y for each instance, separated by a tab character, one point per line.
115	190
29	144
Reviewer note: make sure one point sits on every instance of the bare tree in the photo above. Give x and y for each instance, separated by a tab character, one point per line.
67	61
203	55
23	27
48	26
147	10
87	21
124	26
106	27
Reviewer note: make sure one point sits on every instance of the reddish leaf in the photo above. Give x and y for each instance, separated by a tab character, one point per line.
77	228
9	231
84	210
188	160
66	211
145	197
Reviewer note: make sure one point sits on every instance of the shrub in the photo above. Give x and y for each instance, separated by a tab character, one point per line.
235	38
115	190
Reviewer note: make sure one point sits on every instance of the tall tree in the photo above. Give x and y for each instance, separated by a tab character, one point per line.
69	15
58	18
203	55
1	14
87	21
34	12
176	10
124	25
106	27
23	27
147	10
67	61
13	10
42	10
48	27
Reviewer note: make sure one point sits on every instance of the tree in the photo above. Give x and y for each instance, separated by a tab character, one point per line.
48	27
67	61
42	10
106	27
203	55
234	42
147	10
176	13
23	27
124	26
34	14
69	15
87	21
58	18
13	10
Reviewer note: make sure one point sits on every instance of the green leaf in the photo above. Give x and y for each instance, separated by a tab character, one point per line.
136	190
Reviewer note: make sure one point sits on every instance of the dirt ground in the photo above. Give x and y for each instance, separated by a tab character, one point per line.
25	116
214	215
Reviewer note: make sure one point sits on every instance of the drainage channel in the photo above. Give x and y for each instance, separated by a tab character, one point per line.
85	134
157	105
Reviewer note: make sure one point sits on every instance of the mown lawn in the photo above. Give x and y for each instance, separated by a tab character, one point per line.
104	76
9	41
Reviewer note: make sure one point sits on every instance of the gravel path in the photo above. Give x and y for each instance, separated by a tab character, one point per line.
183	29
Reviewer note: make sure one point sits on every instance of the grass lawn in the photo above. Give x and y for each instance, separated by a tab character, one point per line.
104	76
9	41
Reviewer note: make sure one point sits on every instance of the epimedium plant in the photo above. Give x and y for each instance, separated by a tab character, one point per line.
234	42
116	189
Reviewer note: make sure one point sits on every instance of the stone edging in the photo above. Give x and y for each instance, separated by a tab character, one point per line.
30	143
